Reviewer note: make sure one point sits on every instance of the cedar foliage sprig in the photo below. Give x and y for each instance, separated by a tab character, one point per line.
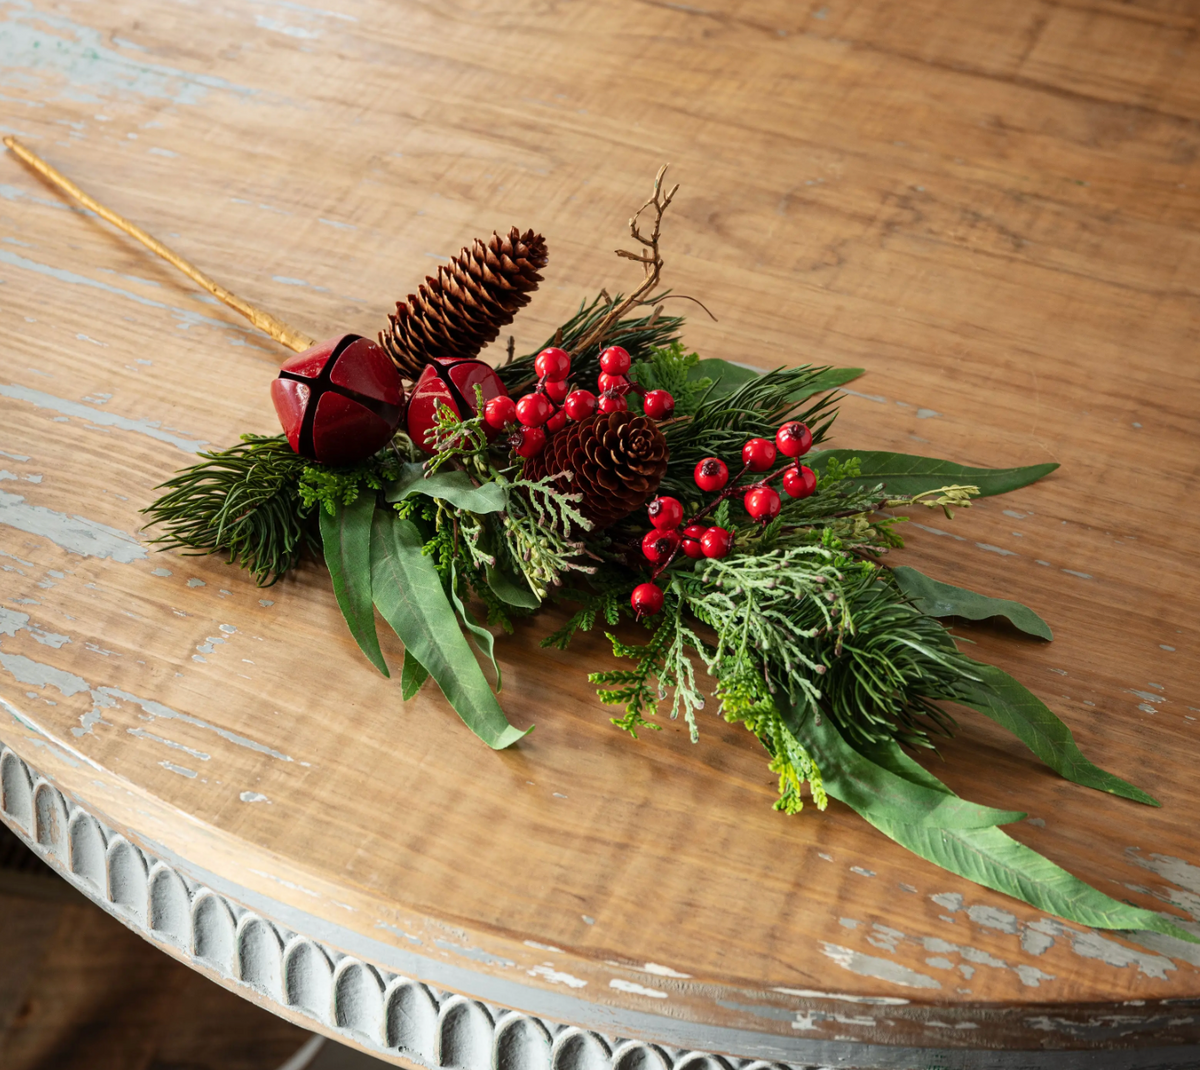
541	529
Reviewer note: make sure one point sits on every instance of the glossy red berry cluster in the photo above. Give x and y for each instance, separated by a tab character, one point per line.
554	401
671	533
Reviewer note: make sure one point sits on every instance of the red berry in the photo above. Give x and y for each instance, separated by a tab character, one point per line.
533	410
759	454
717	542
615	360
658	404
665	513
762	503
580	404
617	384
553	363
556	422
612	403
528	441
500	412
556	390
799	481
647	599
692	535
794	439
711	474
660	545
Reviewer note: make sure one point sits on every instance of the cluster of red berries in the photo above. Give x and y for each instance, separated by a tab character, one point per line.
553	402
661	544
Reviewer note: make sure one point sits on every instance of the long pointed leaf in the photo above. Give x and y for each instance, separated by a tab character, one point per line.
991	857
412	676
511	590
727	377
985	855
903	473
409	594
483	638
346	538
1013	706
453	486
872	789
938	599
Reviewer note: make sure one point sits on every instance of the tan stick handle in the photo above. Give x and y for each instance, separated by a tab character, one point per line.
264	321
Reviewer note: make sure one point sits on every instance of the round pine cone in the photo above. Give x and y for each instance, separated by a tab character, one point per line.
457	313
618	461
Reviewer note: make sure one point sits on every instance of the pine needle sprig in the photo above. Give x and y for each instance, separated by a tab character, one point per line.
244	502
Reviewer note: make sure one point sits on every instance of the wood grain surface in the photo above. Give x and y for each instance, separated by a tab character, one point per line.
991	208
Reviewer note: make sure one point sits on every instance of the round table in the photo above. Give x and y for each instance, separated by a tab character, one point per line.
995	218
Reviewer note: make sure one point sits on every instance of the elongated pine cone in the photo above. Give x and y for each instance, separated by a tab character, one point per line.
618	460
457	313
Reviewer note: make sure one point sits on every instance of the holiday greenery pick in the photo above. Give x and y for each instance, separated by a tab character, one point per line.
458	509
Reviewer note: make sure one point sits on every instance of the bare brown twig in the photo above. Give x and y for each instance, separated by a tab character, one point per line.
650	259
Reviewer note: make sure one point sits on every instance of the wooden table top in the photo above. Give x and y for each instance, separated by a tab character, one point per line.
992	209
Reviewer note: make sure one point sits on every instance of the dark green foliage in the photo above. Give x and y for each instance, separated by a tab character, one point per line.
244	502
945	600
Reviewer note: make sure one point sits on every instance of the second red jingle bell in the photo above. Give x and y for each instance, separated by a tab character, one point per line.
450	381
339	401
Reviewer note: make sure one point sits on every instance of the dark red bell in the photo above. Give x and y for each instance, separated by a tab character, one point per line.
340	401
450	381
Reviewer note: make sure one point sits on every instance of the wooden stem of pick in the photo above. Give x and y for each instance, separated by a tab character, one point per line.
264	321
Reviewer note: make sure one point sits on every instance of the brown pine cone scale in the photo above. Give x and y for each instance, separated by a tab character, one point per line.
618	461
463	308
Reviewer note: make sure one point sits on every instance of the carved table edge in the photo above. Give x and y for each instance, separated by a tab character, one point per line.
397	1018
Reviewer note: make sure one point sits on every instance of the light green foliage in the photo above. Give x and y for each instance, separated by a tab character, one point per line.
746	701
333	487
669	368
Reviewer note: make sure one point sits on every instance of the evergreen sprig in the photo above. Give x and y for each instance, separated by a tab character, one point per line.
244	502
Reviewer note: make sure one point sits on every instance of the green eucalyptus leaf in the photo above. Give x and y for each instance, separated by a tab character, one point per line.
903	473
1013	706
412	676
991	857
872	789
511	590
727	377
409	594
451	485
985	855
346	538
483	638
938	599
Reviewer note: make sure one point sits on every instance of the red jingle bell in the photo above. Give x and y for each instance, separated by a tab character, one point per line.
450	381
340	401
